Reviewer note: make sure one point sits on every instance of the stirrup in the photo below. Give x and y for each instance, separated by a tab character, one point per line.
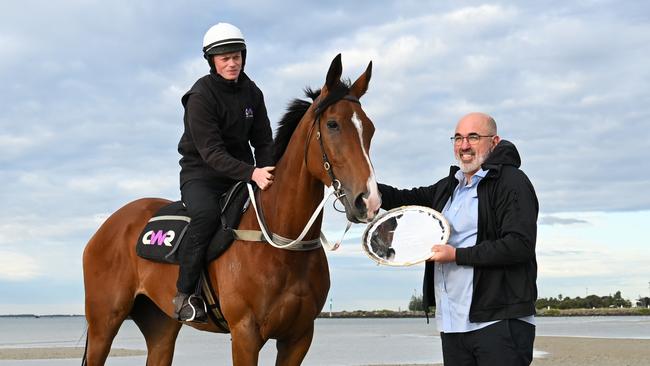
193	318
183	304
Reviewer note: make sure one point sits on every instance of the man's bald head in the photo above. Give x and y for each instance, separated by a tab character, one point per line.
478	120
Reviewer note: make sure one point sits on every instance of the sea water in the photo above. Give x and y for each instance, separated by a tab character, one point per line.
345	342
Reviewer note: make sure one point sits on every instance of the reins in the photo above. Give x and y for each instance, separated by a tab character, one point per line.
281	242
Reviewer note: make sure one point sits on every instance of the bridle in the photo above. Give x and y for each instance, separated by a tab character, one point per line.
336	188
318	111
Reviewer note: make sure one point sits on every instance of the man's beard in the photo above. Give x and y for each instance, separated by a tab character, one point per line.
474	165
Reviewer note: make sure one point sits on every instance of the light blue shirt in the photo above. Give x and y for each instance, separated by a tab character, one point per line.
454	283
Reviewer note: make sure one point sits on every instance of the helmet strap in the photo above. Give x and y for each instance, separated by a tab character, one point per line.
210	60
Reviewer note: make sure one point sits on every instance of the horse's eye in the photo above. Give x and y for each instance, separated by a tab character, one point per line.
332	125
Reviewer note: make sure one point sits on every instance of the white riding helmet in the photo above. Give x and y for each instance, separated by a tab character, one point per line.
223	38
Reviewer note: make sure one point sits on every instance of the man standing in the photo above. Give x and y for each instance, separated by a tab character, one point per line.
483	281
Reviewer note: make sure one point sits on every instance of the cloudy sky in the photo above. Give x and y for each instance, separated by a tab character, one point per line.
90	116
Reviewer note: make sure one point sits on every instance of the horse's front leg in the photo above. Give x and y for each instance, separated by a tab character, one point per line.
246	343
292	351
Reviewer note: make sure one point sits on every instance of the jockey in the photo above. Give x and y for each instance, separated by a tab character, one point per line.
224	113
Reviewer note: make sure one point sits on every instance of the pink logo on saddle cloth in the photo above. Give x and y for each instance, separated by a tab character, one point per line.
158	237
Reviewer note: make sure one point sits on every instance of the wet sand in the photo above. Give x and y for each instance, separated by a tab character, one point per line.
565	351
558	351
59	352
574	351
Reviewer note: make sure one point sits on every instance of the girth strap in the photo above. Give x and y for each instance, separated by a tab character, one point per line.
256	235
212	302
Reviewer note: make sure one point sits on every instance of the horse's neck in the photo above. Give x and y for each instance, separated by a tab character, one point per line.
293	197
290	202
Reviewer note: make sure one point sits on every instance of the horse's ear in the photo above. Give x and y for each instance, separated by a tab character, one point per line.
360	86
334	73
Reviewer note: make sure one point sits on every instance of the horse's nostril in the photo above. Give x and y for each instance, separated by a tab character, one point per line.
359	202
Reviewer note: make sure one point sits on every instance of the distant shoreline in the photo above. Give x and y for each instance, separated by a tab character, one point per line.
540	312
41	316
417	314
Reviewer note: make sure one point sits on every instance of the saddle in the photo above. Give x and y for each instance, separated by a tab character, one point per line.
160	239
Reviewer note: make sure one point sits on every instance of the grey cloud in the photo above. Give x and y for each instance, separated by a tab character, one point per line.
90	111
561	253
554	220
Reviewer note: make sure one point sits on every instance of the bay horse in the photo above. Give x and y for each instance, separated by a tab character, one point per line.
264	292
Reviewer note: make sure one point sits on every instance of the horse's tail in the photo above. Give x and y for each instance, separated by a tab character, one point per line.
84	361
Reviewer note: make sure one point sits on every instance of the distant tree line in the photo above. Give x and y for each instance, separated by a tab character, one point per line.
591	301
561	302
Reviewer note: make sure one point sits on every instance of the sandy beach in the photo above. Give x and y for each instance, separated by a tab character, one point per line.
575	351
565	351
48	353
558	351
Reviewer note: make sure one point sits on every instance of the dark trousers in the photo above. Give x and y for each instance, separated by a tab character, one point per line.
202	201
506	343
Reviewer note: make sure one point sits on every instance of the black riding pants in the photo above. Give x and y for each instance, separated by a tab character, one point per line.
505	343
202	201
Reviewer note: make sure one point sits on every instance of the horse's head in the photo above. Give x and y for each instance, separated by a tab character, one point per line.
338	150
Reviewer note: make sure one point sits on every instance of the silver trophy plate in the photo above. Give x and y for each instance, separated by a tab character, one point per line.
404	236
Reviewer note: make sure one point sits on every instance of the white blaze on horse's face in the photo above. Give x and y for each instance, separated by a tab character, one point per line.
373	202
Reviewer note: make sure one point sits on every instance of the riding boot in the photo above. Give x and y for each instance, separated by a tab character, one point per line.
189	308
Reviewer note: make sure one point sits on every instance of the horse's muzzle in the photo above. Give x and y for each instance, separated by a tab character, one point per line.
363	209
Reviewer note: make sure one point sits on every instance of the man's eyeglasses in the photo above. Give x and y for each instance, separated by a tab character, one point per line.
472	138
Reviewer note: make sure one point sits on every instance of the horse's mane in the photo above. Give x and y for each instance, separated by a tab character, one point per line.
295	111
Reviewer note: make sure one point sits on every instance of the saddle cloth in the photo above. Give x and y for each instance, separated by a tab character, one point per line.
160	239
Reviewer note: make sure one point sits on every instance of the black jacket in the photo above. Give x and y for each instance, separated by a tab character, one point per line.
505	266
221	117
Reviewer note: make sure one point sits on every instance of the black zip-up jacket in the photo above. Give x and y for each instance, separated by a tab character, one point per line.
221	117
504	262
